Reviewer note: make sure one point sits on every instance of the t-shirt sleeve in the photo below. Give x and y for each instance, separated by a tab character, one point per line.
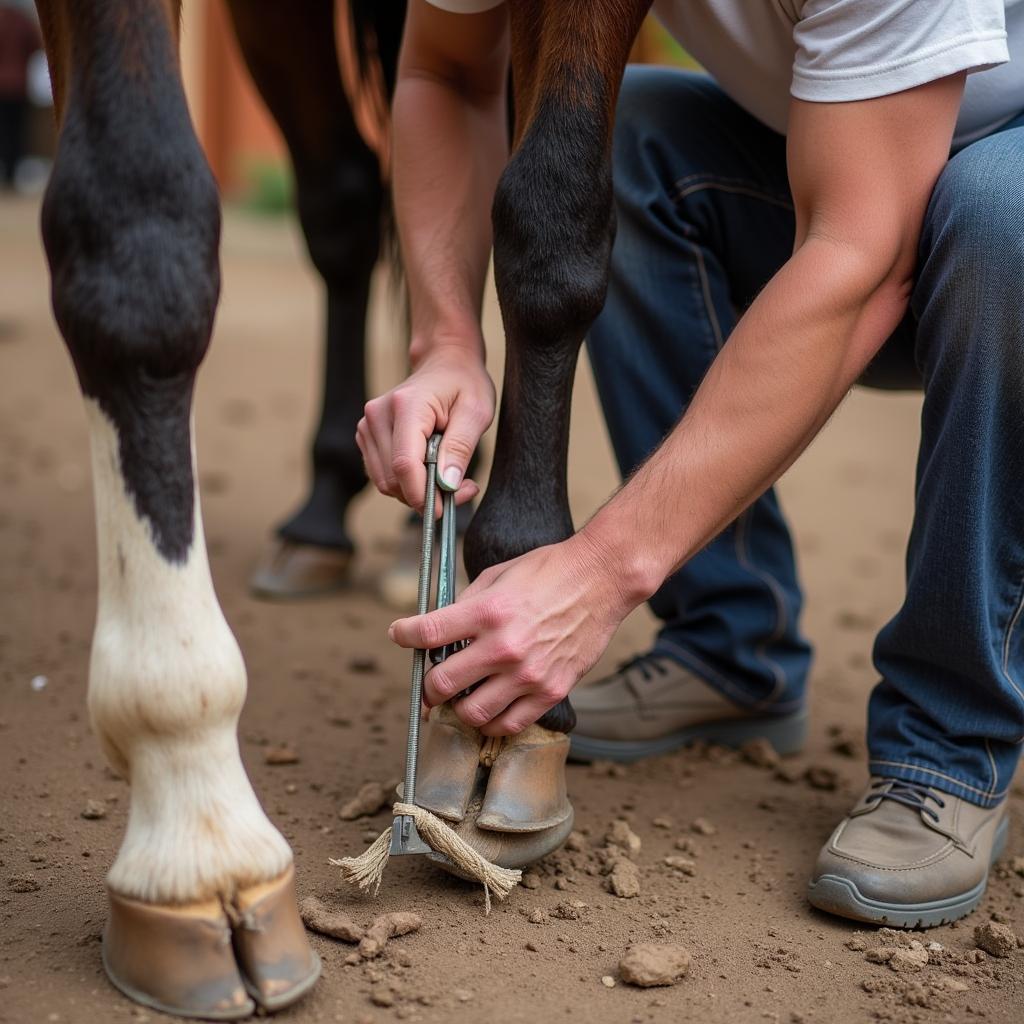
465	6
859	49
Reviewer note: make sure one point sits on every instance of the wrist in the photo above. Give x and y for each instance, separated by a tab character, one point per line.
462	338
613	557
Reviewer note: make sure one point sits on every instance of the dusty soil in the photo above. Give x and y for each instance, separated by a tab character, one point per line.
325	684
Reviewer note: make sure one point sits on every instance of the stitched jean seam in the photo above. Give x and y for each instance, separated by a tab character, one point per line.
692	183
1011	626
986	794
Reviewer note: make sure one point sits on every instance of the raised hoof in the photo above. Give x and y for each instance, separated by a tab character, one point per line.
278	967
449	764
506	849
526	789
291	571
177	960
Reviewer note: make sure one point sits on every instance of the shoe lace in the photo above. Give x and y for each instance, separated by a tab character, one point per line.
648	665
910	794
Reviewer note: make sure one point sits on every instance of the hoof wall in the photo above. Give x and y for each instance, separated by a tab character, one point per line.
208	961
278	967
177	960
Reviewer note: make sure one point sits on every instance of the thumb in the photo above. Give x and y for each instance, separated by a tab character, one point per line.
461	436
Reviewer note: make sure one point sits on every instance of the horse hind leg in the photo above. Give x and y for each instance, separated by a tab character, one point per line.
340	199
202	910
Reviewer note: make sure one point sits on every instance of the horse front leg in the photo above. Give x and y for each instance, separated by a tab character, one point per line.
202	909
553	230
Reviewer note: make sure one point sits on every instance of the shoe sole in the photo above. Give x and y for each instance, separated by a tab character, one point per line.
840	896
786	733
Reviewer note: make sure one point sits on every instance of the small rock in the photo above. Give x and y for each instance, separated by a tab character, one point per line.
622	836
94	809
463	995
681	864
38	683
760	753
944	981
381	995
280	755
319	918
562	884
533	947
665	823
856	943
906	960
372	797
530	880
687	845
703	827
624	880
1017	865
608	981
997	939
569	910
537	916
819	776
648	965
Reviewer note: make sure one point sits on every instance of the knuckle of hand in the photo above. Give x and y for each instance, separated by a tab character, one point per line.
402	463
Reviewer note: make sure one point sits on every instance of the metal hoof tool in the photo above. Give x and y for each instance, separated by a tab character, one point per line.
404	837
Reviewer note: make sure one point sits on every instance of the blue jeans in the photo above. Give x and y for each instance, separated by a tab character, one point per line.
705	219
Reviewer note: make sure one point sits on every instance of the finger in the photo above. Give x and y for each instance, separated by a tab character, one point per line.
371	458
466	422
460	621
467	492
378	418
457	673
489	700
518	715
414	422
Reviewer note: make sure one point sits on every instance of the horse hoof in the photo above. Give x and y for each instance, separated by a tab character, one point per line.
506	849
278	967
208	960
526	787
291	571
449	764
177	960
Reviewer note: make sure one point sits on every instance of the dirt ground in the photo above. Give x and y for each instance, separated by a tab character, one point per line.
324	680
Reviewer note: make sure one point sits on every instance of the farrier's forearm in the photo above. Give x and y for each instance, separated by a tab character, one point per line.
784	370
450	147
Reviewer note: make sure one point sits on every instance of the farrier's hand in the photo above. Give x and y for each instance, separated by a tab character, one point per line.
448	391
538	623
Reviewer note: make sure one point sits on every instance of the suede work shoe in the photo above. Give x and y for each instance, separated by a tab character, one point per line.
908	856
653	705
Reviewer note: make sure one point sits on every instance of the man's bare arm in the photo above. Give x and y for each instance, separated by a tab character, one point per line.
450	146
862	174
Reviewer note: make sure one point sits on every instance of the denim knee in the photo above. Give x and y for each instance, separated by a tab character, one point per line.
972	253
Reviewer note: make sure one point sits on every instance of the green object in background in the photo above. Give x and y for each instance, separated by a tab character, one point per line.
268	187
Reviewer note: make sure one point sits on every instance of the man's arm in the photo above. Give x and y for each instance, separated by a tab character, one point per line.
450	146
862	174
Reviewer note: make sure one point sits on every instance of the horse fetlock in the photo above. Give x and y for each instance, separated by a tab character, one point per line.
196	830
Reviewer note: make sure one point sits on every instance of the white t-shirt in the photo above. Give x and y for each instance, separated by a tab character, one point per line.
763	51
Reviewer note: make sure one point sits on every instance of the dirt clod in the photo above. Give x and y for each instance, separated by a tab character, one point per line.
319	918
683	865
760	753
385	927
703	827
624	880
280	755
622	836
648	965
997	939
94	810
372	797
608	981
820	776
22	883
